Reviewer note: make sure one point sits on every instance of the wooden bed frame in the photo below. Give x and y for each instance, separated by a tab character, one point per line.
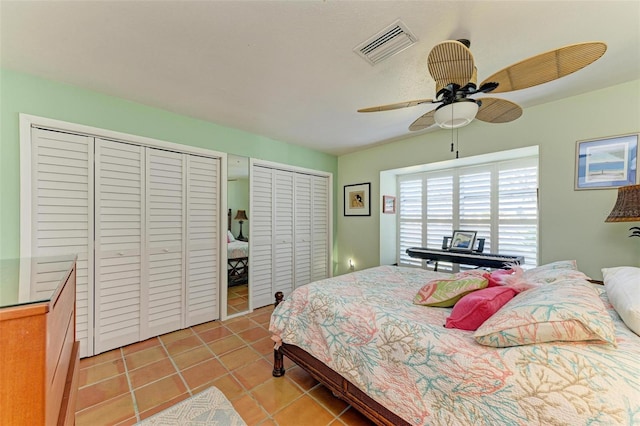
338	385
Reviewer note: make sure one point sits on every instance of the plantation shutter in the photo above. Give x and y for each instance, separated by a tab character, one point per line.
518	212
410	214
498	200
476	208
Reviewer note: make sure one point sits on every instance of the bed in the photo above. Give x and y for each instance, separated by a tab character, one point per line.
237	258
361	335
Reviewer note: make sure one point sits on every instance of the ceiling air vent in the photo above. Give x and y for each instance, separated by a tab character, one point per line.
391	40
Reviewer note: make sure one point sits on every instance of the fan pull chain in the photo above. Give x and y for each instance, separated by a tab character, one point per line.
457	143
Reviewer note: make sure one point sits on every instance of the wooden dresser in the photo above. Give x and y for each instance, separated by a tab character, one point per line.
39	354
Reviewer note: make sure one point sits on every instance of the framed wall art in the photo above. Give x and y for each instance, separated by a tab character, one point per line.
357	199
463	240
388	204
607	163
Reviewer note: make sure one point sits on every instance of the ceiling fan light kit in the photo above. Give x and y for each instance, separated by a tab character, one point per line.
452	67
456	114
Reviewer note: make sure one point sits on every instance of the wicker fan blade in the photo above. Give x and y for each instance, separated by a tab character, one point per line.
547	66
399	105
496	110
450	62
425	120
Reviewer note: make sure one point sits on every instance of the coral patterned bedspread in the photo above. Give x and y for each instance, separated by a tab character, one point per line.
364	326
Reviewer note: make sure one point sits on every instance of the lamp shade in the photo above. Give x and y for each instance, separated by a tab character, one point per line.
627	207
456	114
241	215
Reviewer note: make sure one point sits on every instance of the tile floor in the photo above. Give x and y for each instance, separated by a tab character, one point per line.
237	299
125	385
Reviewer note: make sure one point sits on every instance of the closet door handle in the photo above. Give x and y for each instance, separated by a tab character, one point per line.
165	250
120	253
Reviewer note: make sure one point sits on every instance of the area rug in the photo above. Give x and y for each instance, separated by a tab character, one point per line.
209	407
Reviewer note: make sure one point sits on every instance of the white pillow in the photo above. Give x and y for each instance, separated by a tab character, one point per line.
623	289
230	236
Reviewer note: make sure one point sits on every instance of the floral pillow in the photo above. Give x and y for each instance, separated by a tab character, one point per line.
572	311
555	271
445	293
476	307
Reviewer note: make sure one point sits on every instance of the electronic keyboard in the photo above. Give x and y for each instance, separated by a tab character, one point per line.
484	260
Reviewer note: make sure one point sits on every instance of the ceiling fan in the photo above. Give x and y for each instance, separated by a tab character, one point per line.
451	65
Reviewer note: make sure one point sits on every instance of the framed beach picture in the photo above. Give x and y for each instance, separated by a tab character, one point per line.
463	240
357	199
388	204
607	163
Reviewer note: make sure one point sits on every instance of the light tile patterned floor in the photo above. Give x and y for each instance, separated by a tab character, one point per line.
125	385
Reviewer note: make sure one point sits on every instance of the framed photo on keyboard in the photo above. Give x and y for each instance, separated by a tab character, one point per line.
463	240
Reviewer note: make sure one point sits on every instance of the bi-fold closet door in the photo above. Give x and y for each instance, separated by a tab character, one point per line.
156	227
156	242
61	192
290	231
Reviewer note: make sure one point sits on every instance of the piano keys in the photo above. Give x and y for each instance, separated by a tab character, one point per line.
483	260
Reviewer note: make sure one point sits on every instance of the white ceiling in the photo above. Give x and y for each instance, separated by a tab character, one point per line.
286	69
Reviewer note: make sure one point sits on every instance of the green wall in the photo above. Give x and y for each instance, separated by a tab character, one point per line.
571	222
22	93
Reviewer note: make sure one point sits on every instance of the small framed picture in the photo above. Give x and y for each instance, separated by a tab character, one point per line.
357	199
463	240
388	204
607	163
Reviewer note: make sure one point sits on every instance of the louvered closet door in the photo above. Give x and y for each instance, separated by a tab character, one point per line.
303	219
62	221
320	228
261	255
164	298
203	240
283	232
119	200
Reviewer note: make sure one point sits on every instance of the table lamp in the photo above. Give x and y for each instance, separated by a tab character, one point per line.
241	216
627	208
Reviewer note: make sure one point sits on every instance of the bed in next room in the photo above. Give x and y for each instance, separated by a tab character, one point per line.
362	336
237	257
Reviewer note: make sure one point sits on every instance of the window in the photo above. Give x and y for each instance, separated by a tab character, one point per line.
498	200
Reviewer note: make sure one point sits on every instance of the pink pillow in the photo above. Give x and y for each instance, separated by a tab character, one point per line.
475	308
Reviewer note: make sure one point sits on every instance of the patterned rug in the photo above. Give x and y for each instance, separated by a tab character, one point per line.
209	407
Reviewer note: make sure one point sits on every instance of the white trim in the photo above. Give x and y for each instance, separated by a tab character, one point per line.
25	187
494	157
330	212
222	269
64	126
286	167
